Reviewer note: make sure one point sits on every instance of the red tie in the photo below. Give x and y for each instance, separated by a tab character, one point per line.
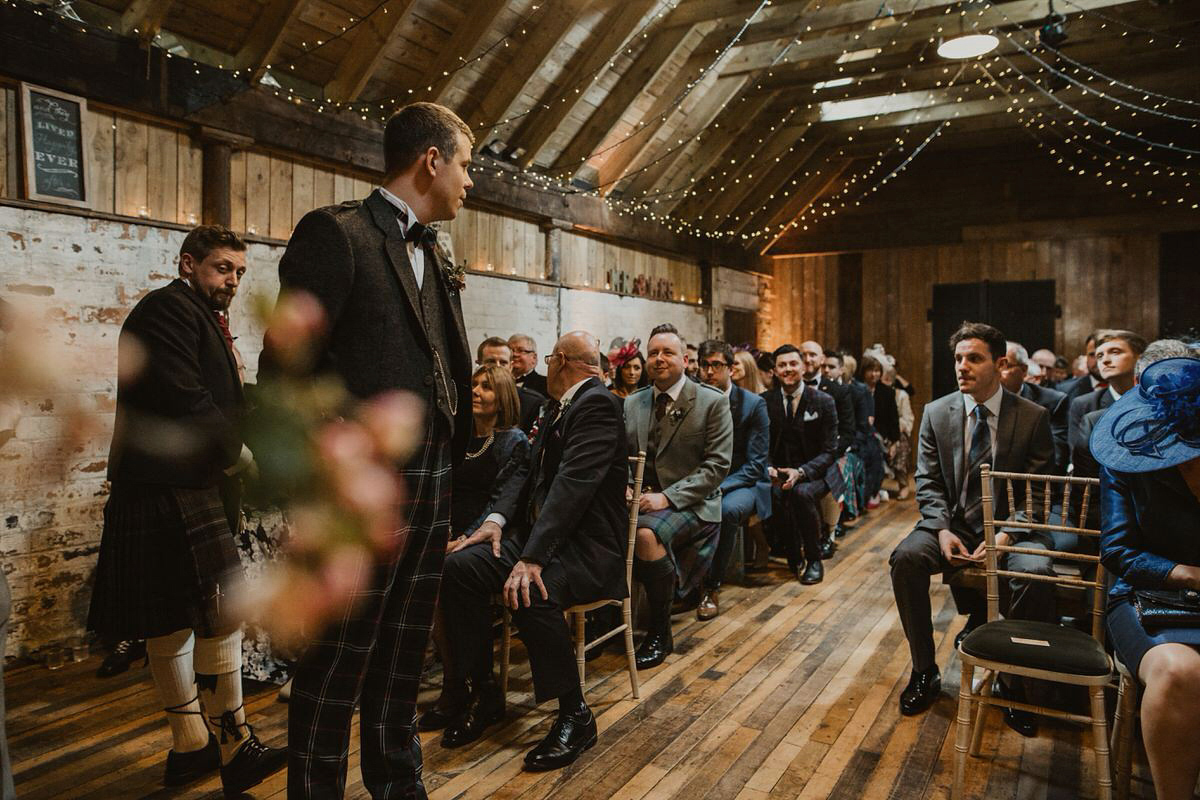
224	324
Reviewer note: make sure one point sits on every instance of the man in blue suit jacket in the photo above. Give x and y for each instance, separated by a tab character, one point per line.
746	490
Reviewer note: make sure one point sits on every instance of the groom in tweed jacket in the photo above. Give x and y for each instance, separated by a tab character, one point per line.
394	321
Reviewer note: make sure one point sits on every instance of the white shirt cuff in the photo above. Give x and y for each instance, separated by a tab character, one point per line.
497	518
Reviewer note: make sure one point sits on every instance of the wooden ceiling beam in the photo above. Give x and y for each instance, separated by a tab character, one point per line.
368	43
762	55
265	37
610	38
782	184
803	200
543	34
647	68
773	159
692	12
463	44
720	109
144	18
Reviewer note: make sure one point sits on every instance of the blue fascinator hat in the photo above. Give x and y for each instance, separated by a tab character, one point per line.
1156	424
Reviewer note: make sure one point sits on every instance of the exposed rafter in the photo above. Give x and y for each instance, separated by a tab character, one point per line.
467	38
803	199
537	128
368	44
144	18
262	43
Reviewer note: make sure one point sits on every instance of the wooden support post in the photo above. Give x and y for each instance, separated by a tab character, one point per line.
216	208
553	229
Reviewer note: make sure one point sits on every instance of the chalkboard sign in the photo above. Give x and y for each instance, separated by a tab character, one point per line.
56	146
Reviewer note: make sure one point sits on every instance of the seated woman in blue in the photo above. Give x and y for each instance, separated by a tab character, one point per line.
1148	446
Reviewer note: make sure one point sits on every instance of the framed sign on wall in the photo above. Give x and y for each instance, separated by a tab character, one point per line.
54	137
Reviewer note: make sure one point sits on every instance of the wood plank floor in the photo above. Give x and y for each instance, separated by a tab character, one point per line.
791	692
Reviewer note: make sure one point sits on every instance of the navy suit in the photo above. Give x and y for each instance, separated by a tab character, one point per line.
746	490
808	441
1057	404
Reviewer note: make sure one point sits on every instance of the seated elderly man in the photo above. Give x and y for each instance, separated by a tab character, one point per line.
687	432
556	538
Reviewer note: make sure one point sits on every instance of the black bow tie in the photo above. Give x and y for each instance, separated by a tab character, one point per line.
421	234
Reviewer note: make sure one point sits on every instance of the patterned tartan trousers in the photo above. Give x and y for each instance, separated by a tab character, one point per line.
373	656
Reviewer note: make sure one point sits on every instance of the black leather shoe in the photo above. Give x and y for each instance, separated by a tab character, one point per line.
1023	722
125	653
922	691
253	763
186	767
828	548
654	649
435	719
813	573
569	737
485	707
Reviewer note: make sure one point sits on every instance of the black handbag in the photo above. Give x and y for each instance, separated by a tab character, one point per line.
1177	608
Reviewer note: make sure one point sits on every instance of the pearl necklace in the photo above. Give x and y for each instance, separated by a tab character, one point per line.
486	444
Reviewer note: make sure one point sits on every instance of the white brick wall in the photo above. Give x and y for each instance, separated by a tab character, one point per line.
86	275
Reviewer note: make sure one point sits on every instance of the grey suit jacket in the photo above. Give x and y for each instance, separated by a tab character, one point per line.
695	445
1023	444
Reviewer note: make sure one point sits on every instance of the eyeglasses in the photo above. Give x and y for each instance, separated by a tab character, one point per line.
713	365
523	352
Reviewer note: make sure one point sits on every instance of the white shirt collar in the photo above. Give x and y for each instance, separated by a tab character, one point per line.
569	394
992	403
1095	381
401	206
674	390
729	391
1115	394
799	390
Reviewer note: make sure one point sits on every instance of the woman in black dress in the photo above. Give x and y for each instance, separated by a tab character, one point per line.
629	369
496	449
1148	446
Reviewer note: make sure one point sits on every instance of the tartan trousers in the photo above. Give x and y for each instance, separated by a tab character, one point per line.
373	656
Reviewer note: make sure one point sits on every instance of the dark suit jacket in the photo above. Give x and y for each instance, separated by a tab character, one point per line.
1057	404
812	443
1080	407
864	409
178	417
576	474
751	444
535	381
353	259
887	414
1075	387
843	400
1023	444
1150	525
531	407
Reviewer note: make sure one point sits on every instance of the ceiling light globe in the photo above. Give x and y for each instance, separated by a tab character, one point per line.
970	46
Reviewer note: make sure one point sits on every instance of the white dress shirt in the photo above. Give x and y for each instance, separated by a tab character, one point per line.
673	392
416	255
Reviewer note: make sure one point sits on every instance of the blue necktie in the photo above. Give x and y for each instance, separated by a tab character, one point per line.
979	454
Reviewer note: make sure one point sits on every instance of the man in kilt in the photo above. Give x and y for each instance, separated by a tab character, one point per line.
394	321
686	430
168	564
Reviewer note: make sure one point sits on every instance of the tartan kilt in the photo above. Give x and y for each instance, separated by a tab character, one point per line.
691	545
168	561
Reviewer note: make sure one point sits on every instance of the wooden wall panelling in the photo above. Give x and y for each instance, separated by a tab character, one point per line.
281	198
302	193
162	168
130	167
237	190
100	172
343	188
190	177
258	193
322	188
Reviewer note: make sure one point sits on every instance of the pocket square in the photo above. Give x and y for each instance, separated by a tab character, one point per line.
809	416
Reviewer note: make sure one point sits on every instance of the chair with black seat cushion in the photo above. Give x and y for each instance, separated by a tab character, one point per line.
1029	648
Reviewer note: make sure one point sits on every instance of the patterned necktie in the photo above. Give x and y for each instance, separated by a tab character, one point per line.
791	406
979	454
660	406
224	325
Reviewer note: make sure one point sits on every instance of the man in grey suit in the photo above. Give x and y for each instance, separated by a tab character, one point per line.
686	430
981	423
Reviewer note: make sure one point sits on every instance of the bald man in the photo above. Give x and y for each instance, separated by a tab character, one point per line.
557	539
